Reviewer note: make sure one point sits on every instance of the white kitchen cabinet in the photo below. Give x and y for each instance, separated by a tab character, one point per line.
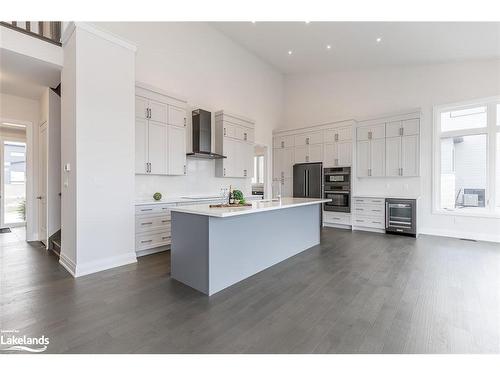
363	158
234	138
176	116
402	148
283	160
284	141
370	151
176	150
309	153
157	148
364	133
393	156
338	154
309	138
160	135
368	213
338	134
410	155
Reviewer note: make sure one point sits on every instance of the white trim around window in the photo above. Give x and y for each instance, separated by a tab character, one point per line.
490	131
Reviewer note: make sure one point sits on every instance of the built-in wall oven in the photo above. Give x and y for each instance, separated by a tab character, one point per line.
337	188
401	216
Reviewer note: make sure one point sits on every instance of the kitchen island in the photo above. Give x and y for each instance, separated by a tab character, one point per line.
216	247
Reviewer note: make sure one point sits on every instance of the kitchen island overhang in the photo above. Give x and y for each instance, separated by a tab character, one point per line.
214	248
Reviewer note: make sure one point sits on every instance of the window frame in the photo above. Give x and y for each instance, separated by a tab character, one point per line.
490	131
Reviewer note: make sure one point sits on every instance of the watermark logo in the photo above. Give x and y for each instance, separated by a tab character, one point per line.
12	341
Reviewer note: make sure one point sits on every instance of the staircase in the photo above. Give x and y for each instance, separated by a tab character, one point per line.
55	243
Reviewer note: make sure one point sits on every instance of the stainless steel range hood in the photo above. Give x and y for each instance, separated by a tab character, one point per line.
202	136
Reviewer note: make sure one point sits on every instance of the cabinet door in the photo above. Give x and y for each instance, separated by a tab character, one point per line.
411	127
330	158
141	107
157	150
344	134
300	154
362	158
233	164
247	135
229	130
315	153
176	150
393	156
278	154
344	153
288	161
309	138
283	163
141	145
377	157
287	187
410	155
176	116
284	141
158	111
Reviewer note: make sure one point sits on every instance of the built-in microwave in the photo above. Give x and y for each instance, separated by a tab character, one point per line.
337	189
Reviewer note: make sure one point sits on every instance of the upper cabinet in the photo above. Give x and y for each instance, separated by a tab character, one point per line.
338	147
160	133
234	138
284	141
389	149
309	138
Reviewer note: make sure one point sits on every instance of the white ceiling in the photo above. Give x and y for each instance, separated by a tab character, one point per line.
354	46
25	76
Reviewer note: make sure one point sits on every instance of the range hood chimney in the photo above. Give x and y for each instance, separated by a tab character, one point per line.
202	136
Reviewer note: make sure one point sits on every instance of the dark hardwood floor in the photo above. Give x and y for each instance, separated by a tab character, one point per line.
355	293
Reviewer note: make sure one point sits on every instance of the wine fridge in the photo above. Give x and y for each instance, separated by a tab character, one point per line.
401	216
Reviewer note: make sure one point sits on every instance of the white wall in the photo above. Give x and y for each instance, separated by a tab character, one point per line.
320	98
27	111
197	62
98	122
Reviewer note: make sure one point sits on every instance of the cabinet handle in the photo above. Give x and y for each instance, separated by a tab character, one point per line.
360	209
164	208
376	222
184	121
336	136
369	135
376	210
245	136
165	238
146	241
360	221
282	174
225	131
146	209
282	144
184	169
336	161
369	171
401	131
224	171
165	221
307	158
148	223
307	140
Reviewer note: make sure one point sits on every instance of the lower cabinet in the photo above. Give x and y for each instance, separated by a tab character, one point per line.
368	212
152	228
336	218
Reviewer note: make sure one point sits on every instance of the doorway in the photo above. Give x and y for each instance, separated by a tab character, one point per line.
13	161
259	178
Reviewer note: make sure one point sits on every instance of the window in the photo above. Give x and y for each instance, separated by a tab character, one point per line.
467	162
258	169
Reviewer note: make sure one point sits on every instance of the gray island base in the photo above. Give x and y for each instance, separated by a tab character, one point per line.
213	249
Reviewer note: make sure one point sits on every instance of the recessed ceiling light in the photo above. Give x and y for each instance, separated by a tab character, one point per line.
290	52
253	21
308	21
379	40
328	47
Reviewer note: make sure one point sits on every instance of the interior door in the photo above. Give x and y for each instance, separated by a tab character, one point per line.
393	156
42	188
157	148
176	150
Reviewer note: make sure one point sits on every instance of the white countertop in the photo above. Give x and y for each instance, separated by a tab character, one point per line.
190	199
257	206
386	196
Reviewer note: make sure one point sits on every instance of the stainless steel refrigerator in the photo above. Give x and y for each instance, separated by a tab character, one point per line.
308	180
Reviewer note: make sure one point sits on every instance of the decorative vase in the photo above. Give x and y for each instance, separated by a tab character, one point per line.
157	196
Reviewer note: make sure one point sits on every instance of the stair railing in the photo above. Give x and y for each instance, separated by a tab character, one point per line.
49	31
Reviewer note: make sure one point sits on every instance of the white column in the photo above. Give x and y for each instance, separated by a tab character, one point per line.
98	88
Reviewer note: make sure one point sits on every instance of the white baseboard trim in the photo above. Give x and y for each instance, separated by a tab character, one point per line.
367	229
467	235
142	253
68	264
334	225
105	264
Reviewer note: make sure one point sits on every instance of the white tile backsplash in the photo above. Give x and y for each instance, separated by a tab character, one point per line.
200	180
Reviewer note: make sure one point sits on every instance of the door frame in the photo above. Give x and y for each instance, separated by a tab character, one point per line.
29	169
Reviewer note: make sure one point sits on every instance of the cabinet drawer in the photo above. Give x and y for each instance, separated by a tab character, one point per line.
337	218
150	223
152	209
152	240
361	200
369	209
368	222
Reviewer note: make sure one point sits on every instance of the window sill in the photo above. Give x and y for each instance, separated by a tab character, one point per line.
484	214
